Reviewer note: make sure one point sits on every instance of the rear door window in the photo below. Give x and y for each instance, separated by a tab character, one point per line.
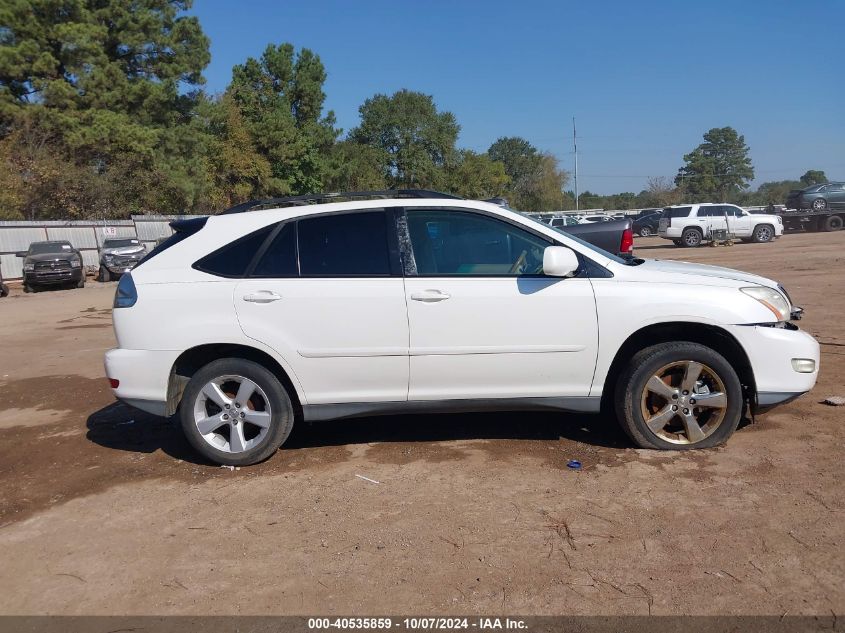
350	244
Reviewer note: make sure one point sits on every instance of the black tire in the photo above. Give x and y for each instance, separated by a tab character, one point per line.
104	275
4	290
645	231
643	366
81	283
833	223
27	288
281	421
678	242
763	233
692	238
819	204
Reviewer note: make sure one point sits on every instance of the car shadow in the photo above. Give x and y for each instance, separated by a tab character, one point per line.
123	428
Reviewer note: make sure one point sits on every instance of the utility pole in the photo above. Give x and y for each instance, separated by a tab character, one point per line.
575	145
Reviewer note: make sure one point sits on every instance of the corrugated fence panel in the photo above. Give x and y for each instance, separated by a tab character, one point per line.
79	236
11	266
13	239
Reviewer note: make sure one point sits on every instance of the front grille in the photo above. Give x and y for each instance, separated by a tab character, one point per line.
54	266
126	262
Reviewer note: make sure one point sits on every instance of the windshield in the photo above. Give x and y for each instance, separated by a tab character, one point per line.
595	249
41	248
121	243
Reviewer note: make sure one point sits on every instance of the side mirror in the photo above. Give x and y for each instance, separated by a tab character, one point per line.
20	254
559	261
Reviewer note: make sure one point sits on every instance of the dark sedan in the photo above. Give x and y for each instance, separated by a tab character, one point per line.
647	225
830	195
52	263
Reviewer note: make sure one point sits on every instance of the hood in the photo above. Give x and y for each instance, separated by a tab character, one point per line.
51	257
123	250
675	269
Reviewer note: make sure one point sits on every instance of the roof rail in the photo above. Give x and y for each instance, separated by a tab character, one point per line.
323	197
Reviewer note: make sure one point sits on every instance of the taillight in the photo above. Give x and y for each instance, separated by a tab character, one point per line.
627	245
114	383
125	296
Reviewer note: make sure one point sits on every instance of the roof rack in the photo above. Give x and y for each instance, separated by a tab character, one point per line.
322	197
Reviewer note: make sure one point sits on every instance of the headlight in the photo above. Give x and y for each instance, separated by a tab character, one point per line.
108	257
29	267
75	263
770	298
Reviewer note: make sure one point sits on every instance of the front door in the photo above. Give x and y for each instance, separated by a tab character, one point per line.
328	296
484	321
738	221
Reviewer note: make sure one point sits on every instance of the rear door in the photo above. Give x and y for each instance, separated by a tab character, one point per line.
327	294
484	321
836	196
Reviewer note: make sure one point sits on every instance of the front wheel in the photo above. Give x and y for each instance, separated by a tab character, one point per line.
819	204
764	233
104	275
679	396
236	412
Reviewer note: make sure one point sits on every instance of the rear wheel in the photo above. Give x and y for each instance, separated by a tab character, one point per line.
645	231
236	412
764	233
678	396
833	223
692	238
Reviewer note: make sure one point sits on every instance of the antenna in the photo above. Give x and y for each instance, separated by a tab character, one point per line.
575	145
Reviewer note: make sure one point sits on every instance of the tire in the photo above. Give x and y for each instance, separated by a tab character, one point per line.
635	400
833	223
268	404
27	288
819	204
645	231
678	243
104	275
692	238
4	290
763	233
81	282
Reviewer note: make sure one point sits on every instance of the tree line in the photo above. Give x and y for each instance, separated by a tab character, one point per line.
103	114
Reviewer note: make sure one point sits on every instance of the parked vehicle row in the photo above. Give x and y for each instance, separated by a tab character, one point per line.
57	263
412	302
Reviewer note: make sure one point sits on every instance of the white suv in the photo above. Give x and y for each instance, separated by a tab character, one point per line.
692	224
245	322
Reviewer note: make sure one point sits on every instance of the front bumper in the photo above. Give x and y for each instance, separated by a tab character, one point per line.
47	278
143	377
771	352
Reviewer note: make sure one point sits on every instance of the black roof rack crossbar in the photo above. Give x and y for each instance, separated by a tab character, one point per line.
323	197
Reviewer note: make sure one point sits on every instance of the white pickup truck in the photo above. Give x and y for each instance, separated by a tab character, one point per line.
691	224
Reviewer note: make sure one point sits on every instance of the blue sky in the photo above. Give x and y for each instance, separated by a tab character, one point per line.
644	79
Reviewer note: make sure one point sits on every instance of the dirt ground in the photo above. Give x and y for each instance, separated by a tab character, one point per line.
105	510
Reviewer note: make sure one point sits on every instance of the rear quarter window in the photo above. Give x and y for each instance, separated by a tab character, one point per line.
676	212
233	259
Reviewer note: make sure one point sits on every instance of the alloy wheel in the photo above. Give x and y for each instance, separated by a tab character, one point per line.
645	231
819	204
232	414
764	234
684	402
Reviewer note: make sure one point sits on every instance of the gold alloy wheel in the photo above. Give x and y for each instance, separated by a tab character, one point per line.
684	402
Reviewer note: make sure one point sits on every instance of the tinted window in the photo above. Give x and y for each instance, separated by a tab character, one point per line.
233	259
42	248
279	260
348	244
456	243
120	243
676	212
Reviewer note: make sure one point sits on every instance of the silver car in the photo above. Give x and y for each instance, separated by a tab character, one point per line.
118	256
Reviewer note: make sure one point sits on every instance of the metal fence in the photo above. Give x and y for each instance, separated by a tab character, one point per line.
86	235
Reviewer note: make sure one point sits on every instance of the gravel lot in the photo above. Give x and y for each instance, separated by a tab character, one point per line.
105	510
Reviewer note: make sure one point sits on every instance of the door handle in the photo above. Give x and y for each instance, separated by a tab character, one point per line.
262	296
430	296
